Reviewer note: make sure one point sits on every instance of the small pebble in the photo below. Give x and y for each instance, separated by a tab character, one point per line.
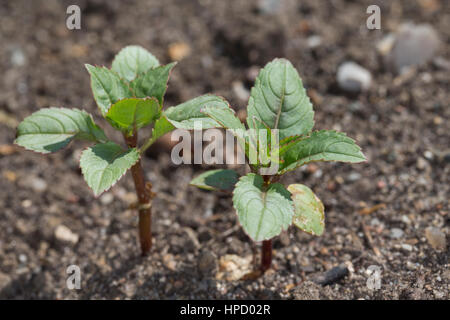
169	262
396	233
233	267
240	91
436	238
106	198
178	51
375	222
428	155
7	149
314	41
381	184
18	58
407	247
270	6
37	184
284	239
207	263
414	45
64	234
385	45
130	290
353	78
318	174
27	203
421	163
354	176
405	219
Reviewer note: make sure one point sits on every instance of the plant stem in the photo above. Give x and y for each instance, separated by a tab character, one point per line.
144	196
266	250
146	145
266	255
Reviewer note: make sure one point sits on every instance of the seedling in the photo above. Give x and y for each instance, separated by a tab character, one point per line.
279	105
130	96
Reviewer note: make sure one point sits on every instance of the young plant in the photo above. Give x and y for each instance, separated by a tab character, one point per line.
130	96
280	108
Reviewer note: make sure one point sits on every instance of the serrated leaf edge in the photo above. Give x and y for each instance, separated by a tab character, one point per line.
120	78
237	215
133	45
114	183
283	171
174	63
73	138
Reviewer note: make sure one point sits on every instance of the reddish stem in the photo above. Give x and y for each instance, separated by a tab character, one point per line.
144	196
266	251
266	255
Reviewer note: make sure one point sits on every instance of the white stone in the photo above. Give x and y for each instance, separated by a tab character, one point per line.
353	78
414	45
314	41
64	234
18	58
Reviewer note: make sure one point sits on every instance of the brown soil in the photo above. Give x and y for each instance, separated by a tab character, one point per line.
401	124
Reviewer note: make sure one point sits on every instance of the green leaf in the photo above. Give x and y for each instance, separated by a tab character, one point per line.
225	117
325	145
262	140
51	129
162	126
107	87
129	114
279	99
104	164
262	212
153	83
309	211
133	61
286	144
186	114
220	179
